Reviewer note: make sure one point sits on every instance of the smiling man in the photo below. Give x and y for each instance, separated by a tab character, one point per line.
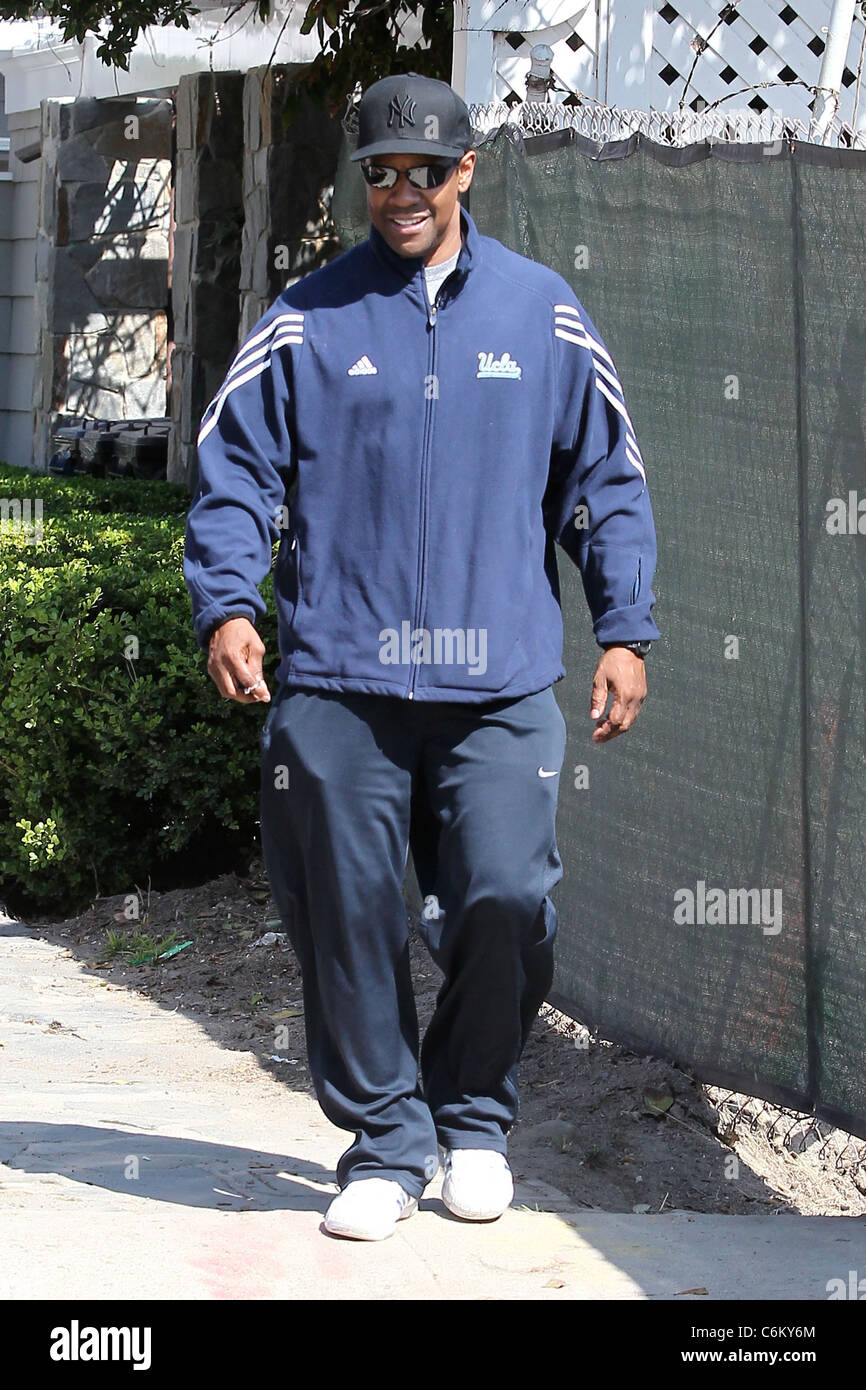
420	218
420	422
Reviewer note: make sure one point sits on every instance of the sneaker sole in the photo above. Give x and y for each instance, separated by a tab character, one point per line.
474	1215
334	1228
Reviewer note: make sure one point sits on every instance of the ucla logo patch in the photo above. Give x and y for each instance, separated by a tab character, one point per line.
504	366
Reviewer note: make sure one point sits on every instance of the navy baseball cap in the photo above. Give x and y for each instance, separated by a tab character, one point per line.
411	114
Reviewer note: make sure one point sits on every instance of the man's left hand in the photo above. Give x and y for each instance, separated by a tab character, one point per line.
622	674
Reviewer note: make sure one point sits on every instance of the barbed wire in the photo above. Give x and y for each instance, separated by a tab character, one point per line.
601	123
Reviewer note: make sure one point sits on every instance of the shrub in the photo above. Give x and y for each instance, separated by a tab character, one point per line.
119	759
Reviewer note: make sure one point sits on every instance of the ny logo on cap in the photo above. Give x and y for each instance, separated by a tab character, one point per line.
403	109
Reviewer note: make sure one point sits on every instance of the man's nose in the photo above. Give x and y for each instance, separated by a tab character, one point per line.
404	192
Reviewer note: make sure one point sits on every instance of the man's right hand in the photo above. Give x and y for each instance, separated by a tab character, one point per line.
234	662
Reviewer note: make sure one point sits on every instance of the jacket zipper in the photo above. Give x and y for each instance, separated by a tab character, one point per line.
425	451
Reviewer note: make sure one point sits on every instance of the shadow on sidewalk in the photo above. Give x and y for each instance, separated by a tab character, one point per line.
165	1168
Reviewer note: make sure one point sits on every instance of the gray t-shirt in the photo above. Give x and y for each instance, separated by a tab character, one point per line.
435	274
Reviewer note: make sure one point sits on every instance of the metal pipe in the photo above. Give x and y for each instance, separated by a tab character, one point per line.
826	101
539	80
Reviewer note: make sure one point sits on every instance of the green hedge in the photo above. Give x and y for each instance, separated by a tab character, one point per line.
113	766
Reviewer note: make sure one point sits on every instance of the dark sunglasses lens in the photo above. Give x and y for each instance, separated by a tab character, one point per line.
427	176
378	176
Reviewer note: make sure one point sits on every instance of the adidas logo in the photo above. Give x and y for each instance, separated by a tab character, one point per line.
363	367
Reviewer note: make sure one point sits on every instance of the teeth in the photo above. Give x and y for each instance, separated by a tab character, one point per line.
410	221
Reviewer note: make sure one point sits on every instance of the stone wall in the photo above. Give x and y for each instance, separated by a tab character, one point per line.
209	216
289	171
102	260
251	209
252	194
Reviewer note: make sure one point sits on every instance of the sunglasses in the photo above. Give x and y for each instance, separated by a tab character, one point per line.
423	176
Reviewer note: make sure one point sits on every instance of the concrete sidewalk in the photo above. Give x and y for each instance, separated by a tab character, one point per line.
131	1145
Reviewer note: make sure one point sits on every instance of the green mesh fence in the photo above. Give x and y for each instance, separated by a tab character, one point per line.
711	910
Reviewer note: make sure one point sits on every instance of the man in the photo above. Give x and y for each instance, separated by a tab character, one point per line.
422	419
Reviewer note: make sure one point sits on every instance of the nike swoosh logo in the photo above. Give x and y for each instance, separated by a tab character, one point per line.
542	773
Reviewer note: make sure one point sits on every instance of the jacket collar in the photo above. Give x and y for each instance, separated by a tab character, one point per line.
410	267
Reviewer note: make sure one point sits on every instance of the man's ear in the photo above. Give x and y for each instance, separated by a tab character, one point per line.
465	172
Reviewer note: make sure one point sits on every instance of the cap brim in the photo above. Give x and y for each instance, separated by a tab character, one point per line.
409	147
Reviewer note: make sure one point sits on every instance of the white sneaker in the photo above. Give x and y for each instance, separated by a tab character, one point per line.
369	1209
478	1184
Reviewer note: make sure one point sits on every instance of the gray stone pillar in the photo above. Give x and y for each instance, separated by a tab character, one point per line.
209	216
252	214
289	170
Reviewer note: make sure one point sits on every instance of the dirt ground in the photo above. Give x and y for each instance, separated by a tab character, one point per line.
614	1131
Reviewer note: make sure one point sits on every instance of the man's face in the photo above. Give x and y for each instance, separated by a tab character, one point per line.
414	222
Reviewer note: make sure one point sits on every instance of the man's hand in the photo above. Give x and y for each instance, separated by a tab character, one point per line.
622	674
234	662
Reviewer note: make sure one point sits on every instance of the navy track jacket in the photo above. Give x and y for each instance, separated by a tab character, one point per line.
418	464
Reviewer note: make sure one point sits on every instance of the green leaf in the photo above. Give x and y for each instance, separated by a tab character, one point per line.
309	18
658	1101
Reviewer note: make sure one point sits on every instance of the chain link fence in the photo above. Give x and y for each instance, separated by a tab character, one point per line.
792	1130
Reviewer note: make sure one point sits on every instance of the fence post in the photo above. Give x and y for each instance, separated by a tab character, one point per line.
832	65
625	40
473	74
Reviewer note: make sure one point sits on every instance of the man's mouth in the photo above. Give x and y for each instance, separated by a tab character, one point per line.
410	222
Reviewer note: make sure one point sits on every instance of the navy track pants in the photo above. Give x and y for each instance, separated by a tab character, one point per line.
346	778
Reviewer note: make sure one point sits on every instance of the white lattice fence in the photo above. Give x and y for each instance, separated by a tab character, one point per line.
755	43
752	55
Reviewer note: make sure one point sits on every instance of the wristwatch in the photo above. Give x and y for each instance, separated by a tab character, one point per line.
639	648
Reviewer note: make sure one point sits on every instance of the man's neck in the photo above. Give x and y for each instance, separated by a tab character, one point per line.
441	260
450	245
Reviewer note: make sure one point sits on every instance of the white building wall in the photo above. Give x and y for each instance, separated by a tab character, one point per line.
37	64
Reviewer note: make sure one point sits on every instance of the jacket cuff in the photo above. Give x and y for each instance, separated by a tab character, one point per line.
632	624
